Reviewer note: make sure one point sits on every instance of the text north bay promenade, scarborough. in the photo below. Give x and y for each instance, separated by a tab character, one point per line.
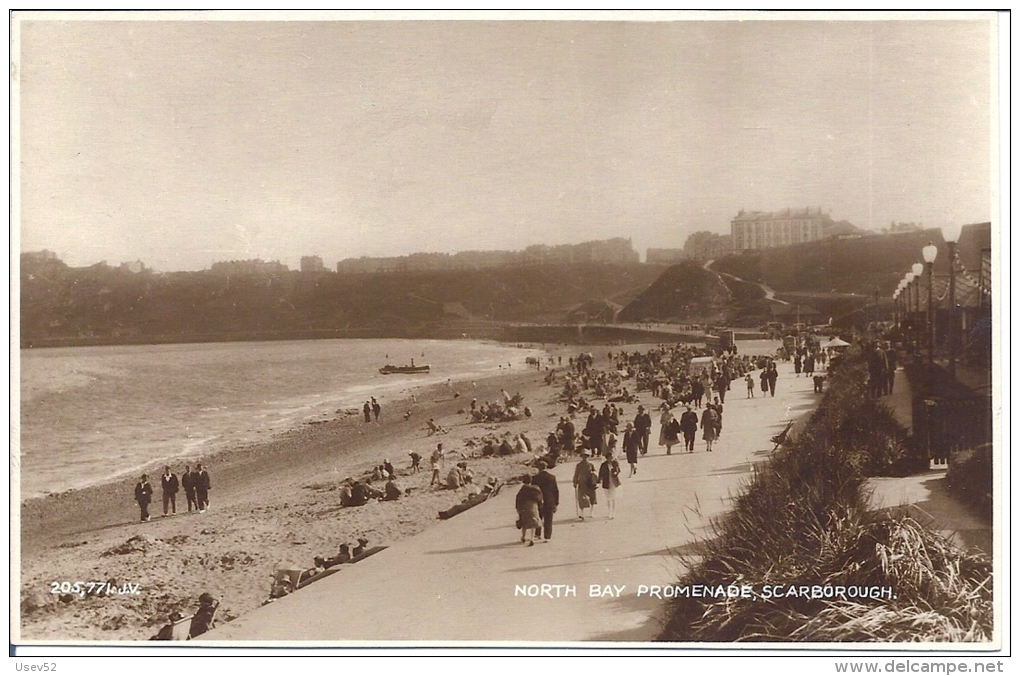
700	591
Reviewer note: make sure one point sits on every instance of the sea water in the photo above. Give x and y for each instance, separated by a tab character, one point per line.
89	414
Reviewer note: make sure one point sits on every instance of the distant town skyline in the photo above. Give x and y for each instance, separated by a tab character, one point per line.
185	142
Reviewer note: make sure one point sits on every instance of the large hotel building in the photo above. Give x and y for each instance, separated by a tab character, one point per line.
765	230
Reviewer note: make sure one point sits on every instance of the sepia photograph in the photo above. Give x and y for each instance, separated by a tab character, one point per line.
660	330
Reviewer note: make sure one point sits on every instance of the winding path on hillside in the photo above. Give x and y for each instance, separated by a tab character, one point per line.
470	579
770	293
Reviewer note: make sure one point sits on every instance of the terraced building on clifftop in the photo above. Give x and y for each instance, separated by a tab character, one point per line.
766	230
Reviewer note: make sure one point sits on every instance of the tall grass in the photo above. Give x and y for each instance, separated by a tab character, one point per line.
803	519
970	478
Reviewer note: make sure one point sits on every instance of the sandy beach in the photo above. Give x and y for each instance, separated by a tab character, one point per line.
273	503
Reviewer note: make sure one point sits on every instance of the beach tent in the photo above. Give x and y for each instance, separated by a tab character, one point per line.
836	342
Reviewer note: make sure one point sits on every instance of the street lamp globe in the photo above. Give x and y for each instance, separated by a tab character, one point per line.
951	233
929	253
917	269
910	277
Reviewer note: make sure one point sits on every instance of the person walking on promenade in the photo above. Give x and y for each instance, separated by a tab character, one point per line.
584	485
764	380
643	425
202	486
891	364
722	384
689	426
567	434
664	419
529	505
773	375
609	479
708	426
169	485
631	446
436	463
717	405
749	379
143	496
697	391
796	364
672	434
188	484
546	482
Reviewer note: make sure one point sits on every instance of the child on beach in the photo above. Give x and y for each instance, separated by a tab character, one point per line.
436	461
750	386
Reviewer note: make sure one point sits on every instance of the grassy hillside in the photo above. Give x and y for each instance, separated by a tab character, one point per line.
848	266
109	304
684	293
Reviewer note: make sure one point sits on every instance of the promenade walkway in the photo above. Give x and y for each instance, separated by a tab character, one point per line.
470	580
925	496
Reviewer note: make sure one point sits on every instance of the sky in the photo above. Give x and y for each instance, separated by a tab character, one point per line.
184	142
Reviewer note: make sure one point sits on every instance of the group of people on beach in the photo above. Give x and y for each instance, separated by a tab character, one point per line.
370	409
195	482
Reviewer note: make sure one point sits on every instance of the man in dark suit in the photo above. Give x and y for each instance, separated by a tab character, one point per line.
689	426
643	425
546	482
143	496
170	486
188	484
202	486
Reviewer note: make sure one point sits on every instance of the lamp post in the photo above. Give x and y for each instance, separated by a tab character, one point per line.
908	281
917	269
929	252
897	314
951	233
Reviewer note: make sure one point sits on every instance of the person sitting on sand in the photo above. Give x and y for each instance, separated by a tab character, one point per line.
345	492
362	492
392	491
204	618
455	479
343	556
166	632
388	467
360	548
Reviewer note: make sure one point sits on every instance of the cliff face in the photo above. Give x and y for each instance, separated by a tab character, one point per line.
61	305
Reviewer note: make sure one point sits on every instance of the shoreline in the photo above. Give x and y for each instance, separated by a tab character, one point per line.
271	502
48	474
